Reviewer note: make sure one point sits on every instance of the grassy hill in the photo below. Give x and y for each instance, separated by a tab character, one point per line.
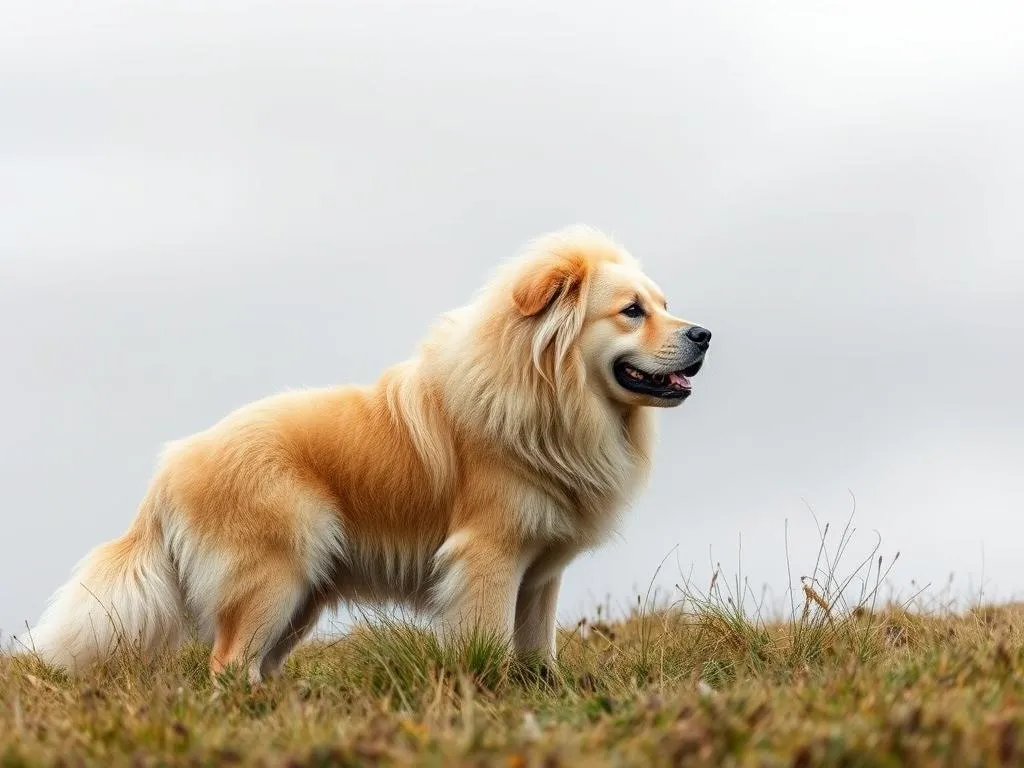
701	682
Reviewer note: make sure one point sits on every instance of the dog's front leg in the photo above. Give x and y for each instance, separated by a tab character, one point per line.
535	618
477	588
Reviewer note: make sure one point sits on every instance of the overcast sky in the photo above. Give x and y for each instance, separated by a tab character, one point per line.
202	203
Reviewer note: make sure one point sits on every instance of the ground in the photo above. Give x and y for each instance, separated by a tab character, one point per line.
702	680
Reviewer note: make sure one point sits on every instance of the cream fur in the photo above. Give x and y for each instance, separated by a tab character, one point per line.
461	483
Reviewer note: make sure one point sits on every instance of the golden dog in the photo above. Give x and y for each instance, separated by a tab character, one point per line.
461	484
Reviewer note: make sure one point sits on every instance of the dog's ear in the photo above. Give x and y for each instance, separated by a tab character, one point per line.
546	280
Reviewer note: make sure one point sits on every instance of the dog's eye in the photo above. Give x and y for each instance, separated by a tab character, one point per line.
633	310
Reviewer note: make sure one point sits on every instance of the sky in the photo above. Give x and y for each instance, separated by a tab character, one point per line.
207	202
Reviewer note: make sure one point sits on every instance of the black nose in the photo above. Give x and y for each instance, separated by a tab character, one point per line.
699	336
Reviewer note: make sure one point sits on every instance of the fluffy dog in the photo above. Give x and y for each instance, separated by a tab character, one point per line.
461	484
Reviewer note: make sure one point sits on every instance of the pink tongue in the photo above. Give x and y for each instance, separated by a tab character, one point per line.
678	378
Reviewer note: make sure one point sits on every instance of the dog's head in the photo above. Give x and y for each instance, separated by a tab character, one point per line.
593	309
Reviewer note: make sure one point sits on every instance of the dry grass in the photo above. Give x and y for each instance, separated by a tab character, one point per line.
702	681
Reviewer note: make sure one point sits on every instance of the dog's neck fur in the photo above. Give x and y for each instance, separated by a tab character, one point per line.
546	415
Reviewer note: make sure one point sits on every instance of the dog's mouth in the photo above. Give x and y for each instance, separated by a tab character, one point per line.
669	386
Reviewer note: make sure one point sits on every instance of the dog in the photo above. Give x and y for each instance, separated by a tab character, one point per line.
461	484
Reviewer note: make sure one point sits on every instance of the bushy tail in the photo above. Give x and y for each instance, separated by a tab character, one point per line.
123	595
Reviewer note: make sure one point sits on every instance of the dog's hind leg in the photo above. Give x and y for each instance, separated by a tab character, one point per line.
253	620
299	626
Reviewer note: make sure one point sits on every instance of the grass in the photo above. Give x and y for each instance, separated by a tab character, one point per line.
699	677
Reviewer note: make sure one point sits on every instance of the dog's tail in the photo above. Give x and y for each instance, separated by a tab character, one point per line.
125	594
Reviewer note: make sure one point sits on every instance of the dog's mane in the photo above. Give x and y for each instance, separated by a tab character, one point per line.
519	382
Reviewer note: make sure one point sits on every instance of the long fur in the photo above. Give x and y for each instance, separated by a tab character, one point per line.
134	581
461	484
